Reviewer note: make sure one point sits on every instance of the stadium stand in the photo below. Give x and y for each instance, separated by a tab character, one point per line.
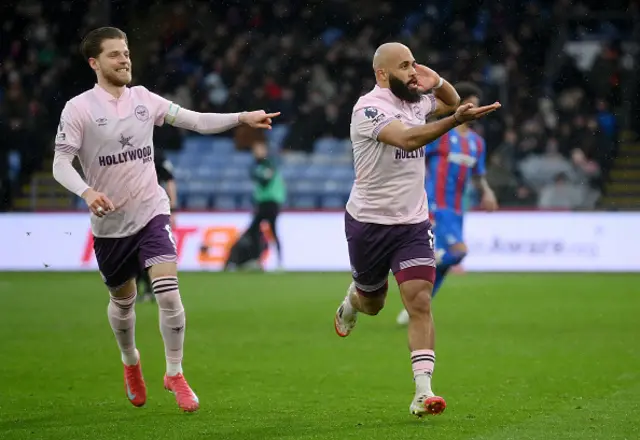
561	140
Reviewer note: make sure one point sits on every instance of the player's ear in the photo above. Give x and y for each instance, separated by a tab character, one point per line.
93	63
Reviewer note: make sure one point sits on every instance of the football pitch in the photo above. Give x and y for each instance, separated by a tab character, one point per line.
519	356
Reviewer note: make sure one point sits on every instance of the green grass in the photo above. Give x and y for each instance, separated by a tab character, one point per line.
518	357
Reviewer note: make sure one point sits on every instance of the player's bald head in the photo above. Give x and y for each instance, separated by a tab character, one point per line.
394	67
389	55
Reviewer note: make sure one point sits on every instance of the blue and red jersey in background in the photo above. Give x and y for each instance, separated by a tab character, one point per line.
451	161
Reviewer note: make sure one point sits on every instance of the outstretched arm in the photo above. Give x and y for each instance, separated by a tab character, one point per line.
210	123
399	135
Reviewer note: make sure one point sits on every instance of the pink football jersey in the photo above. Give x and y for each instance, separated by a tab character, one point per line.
113	139
389	185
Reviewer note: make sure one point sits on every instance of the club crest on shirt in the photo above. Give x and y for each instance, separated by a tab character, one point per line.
142	113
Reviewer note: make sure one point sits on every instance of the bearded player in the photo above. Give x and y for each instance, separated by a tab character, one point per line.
110	129
453	161
387	221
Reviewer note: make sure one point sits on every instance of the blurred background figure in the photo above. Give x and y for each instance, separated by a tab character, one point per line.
269	195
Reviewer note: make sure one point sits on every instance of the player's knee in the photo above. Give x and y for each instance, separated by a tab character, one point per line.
372	306
166	287
122	305
125	290
417	297
420	306
122	299
460	249
373	301
168	269
167	295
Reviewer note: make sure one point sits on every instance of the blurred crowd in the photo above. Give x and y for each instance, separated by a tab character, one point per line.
552	144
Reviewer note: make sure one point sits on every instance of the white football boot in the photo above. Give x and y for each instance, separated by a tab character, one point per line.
346	315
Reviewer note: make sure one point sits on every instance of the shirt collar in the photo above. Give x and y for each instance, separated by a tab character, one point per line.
106	96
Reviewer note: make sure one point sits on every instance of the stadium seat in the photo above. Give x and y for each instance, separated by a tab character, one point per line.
291	172
203	172
327	145
303	202
222	145
276	136
295	158
197	201
225	202
242	159
330	187
333	202
196	144
316	172
341	172
234	172
304	187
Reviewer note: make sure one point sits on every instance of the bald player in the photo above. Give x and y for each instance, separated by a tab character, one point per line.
110	129
386	221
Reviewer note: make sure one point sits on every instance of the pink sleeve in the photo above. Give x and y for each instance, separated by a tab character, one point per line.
69	136
368	121
66	174
429	104
159	107
203	123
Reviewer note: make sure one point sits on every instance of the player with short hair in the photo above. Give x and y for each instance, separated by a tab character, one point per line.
453	161
387	220
110	129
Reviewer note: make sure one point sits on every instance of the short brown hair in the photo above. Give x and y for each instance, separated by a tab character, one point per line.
467	90
91	45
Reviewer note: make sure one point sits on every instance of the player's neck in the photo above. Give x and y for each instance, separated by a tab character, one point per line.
115	91
462	129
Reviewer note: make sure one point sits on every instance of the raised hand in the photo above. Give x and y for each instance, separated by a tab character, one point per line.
258	119
469	112
427	78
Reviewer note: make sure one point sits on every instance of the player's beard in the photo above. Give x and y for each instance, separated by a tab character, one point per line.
402	90
118	80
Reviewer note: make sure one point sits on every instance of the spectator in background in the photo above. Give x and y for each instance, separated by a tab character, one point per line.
561	194
541	170
589	177
501	178
308	60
